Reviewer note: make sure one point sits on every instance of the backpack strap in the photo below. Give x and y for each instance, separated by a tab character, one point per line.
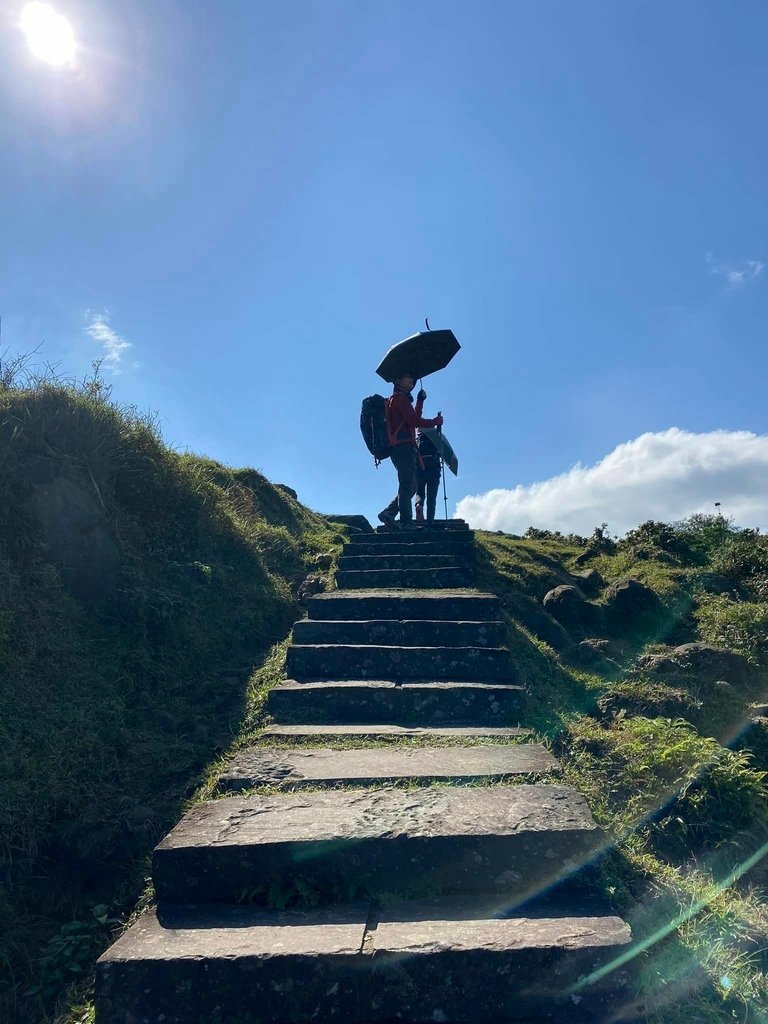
388	418
392	434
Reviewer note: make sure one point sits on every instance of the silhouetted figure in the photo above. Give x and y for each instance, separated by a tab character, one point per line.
427	478
402	421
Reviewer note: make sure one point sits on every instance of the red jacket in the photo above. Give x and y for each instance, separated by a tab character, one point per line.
403	418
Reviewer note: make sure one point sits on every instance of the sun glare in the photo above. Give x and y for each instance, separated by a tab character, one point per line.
49	35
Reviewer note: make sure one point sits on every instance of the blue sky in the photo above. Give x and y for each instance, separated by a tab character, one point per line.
260	198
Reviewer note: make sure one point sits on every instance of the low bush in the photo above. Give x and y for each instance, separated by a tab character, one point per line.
740	626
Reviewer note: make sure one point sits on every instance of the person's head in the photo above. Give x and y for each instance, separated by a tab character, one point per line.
405	381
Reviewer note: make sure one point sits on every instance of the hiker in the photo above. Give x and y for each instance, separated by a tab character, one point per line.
402	421
427	478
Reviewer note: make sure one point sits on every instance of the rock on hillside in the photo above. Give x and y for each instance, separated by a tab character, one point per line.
568	605
631	607
700	664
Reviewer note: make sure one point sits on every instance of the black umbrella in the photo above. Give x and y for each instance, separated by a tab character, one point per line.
443	447
419	355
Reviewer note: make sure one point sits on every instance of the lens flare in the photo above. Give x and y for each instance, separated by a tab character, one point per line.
49	35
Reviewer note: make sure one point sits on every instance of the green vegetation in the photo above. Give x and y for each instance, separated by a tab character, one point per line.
671	758
145	598
138	588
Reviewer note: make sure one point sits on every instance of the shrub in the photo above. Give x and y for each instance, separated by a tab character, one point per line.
660	775
738	625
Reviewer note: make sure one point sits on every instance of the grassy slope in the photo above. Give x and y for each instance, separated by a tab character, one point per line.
674	772
112	706
687	813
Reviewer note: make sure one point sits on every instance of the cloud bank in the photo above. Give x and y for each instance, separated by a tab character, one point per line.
114	347
663	476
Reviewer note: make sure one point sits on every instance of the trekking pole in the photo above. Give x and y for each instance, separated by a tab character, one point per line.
442	471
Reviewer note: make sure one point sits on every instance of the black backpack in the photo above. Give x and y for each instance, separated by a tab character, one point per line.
373	427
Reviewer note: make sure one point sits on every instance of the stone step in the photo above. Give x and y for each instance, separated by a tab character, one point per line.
400	633
464	605
461	960
519	839
381	702
421	535
447	545
447	577
369	661
362	563
324	766
391	732
437	525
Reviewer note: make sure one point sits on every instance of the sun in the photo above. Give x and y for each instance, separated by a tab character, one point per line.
49	35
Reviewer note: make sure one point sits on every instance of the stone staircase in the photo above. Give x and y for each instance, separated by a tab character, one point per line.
448	880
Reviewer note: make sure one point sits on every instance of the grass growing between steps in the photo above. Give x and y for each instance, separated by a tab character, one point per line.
669	761
138	587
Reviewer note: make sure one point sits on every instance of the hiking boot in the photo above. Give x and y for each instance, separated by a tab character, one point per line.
409	525
388	518
419	513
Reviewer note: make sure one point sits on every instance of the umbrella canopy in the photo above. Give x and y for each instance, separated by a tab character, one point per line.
444	449
421	354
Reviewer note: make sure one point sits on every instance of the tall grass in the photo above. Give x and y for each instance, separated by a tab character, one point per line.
112	706
673	770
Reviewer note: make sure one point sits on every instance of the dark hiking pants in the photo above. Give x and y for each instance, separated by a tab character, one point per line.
404	461
428	483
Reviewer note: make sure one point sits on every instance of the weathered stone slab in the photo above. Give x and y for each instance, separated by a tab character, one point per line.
292	769
383	702
449	577
459	959
418	604
448	544
369	661
397	633
520	839
423	536
390	561
195	965
437	526
452	959
288	732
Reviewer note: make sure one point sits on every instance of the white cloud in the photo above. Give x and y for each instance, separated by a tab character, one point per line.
113	345
735	274
664	476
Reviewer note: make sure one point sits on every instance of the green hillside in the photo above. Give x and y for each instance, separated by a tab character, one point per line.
138	588
653	704
145	597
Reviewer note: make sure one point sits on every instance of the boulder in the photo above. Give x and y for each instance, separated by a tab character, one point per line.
355	524
601	653
590	582
592	654
76	536
568	605
700	664
631	607
313	584
531	615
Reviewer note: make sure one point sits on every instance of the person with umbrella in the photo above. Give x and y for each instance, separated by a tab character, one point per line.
402	421
403	365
